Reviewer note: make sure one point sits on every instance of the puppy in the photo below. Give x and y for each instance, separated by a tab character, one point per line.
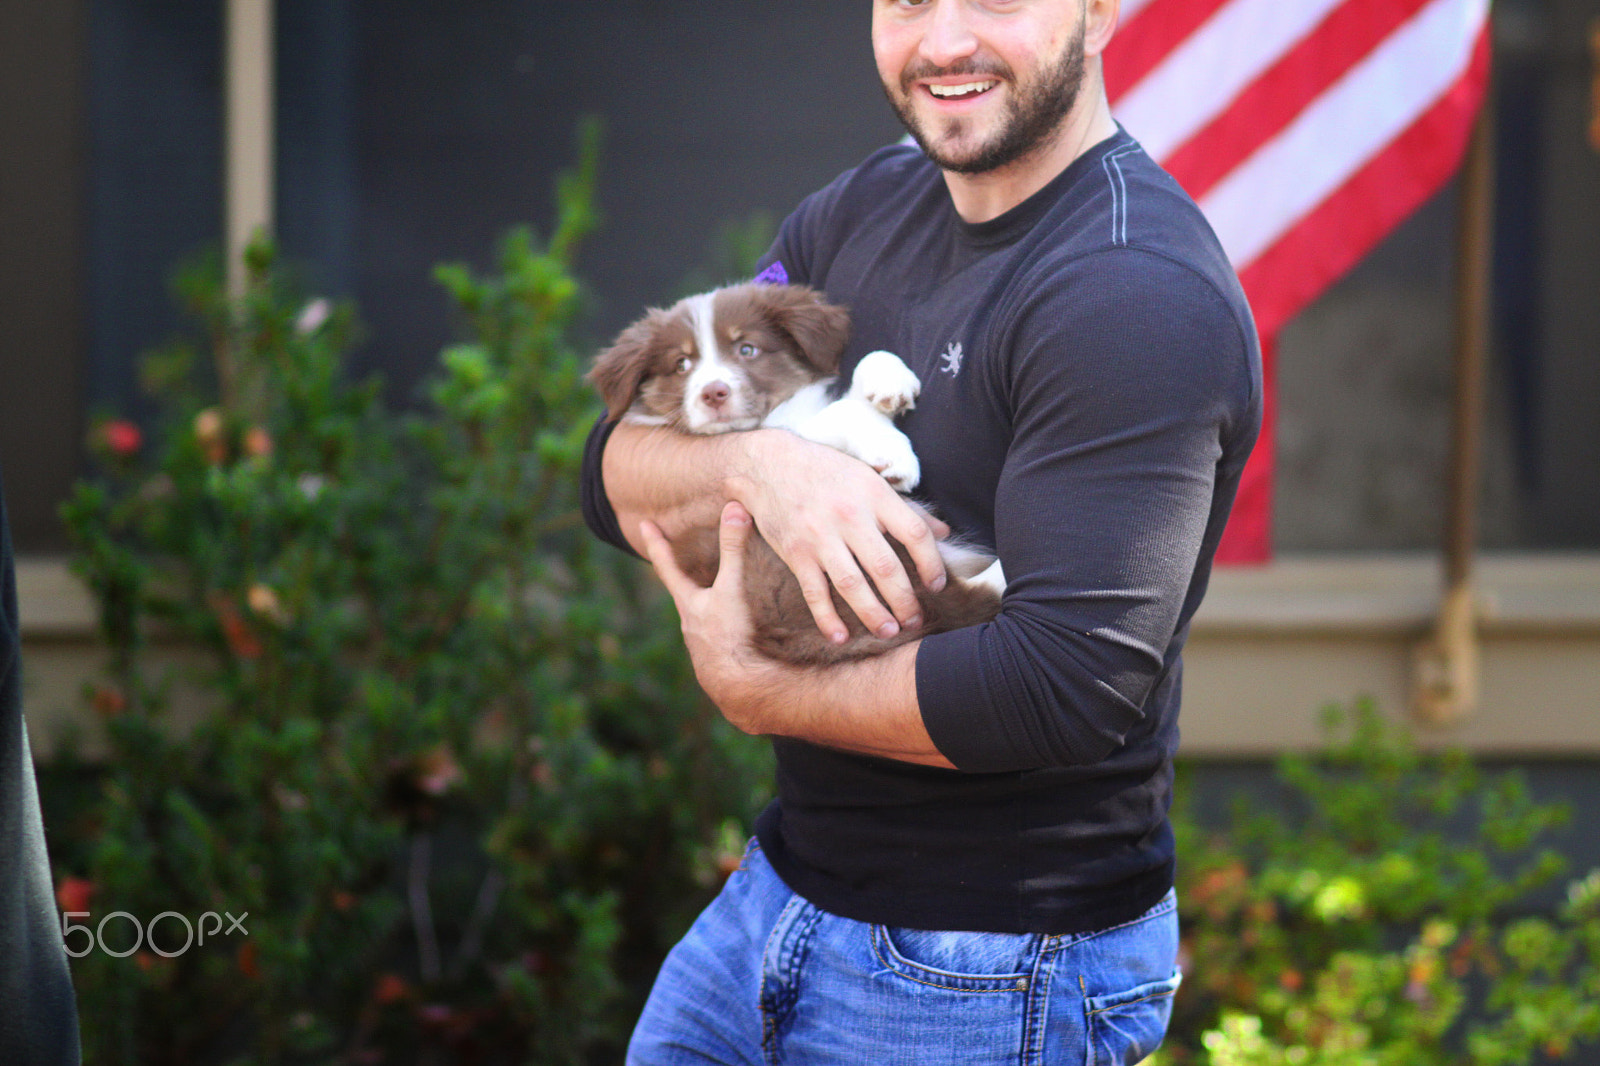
752	356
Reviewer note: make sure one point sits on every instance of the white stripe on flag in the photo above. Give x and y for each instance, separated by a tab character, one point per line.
1130	8
1199	78
1372	104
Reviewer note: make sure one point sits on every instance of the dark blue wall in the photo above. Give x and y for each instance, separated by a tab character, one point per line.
154	175
418	131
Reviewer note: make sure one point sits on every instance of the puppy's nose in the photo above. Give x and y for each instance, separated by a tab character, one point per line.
715	394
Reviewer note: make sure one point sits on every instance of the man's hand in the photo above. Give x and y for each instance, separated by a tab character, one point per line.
716	624
830	518
868	707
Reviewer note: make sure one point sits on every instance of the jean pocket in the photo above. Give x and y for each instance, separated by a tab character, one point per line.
1127	1027
958	962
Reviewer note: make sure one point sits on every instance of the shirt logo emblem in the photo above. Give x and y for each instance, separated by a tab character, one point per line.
952	359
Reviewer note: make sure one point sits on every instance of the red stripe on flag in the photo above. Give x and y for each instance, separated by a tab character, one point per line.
1248	535
1149	37
1303	73
1336	234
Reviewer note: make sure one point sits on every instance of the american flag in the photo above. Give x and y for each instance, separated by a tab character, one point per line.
1306	130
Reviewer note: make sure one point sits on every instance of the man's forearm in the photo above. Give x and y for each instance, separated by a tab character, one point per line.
868	706
673	479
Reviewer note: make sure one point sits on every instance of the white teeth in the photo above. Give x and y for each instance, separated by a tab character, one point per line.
968	89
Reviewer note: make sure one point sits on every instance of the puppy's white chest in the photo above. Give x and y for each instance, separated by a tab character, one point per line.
861	423
804	405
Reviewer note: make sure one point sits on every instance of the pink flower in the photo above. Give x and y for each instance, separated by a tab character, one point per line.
121	437
263	601
257	441
211	432
437	771
109	702
313	315
391	988
74	893
241	640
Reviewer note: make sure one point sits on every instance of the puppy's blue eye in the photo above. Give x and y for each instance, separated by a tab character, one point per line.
683	365
748	351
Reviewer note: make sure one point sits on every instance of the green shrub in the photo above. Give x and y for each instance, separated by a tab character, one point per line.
443	750
1382	914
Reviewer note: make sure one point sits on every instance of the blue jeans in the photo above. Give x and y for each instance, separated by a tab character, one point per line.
765	977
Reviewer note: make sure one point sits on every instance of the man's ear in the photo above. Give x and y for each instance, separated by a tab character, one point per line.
620	369
819	329
1099	24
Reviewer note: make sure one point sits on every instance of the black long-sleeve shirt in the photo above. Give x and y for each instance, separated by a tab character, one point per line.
1091	390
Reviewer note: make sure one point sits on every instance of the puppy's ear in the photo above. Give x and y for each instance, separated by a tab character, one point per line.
819	329
620	369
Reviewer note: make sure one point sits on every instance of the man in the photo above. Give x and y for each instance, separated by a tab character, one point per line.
969	859
38	1017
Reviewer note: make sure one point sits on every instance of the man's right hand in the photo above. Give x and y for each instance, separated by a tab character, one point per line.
829	516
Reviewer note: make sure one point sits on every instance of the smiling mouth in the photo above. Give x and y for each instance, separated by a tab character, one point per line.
964	91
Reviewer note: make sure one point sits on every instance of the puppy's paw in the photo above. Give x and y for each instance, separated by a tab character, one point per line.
896	461
886	383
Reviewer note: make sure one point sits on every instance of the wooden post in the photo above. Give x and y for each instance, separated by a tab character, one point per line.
1446	681
250	135
1594	84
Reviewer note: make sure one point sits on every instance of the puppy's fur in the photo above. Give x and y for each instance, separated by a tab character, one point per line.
765	355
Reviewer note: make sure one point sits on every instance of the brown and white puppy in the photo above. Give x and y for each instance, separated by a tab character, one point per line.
757	355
